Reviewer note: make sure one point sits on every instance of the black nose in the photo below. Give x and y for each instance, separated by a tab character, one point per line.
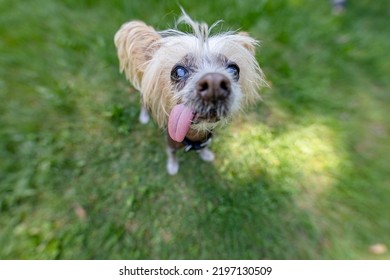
213	87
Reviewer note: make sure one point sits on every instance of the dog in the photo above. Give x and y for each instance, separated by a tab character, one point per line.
190	82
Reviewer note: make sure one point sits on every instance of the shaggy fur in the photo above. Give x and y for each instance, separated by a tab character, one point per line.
147	58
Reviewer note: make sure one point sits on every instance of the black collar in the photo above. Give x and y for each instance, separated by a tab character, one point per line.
197	145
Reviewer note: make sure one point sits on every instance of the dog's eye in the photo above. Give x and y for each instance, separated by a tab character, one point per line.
179	73
233	70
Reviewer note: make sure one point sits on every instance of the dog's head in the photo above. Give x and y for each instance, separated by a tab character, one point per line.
189	80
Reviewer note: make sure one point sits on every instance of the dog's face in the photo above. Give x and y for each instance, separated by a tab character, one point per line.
189	80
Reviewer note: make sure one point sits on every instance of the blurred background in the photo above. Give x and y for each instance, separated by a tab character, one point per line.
303	174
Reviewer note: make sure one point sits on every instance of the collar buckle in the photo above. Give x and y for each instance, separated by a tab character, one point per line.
196	145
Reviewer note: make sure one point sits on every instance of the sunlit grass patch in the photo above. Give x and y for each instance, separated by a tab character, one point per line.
305	160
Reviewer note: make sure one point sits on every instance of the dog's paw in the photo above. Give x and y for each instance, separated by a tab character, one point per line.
206	155
172	166
144	116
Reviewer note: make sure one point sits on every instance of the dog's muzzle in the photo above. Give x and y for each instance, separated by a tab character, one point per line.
213	91
213	87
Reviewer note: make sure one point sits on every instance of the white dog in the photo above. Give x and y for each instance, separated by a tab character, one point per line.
190	83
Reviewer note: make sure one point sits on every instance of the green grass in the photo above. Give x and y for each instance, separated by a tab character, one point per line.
304	174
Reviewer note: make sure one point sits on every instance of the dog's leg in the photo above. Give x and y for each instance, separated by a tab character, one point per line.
172	162
144	115
206	155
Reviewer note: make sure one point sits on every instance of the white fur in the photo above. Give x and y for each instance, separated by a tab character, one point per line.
206	155
144	115
147	57
172	162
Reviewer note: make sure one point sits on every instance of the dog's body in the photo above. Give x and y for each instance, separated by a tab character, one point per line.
190	83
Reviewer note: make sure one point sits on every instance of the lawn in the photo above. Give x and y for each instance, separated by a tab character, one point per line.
303	174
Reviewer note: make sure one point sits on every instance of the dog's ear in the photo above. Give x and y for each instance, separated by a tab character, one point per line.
248	42
136	43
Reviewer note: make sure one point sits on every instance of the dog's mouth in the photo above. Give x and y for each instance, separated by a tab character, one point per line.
182	117
210	116
179	121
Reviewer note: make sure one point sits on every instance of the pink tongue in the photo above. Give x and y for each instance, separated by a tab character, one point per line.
179	122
